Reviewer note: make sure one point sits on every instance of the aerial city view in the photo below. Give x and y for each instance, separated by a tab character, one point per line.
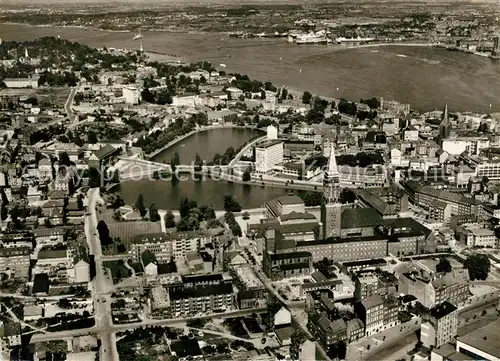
249	180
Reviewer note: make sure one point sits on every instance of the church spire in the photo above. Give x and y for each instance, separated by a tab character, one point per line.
332	177
445	126
445	113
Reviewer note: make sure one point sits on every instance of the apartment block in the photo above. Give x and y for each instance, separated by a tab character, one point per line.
15	261
441	325
268	154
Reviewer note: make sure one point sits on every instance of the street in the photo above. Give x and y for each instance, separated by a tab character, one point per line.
101	284
370	348
113	329
69	104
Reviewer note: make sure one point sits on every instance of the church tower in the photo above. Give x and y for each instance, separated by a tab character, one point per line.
26	55
445	126
332	178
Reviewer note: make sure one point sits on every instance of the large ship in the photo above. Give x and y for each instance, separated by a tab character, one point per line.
311	39
354	40
138	36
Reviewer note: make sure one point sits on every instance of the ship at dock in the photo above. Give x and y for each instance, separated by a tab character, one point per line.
341	40
302	39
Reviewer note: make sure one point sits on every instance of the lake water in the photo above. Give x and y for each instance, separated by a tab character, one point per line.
207	143
423	77
167	195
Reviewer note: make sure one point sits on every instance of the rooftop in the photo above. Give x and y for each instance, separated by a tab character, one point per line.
195	292
202	278
268	143
296	215
41	283
281	256
360	218
51	254
105	151
289	200
442	310
486	339
372	301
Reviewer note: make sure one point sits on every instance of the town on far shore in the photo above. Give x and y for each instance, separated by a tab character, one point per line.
378	237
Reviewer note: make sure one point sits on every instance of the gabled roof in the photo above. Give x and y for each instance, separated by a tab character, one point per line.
105	151
148	257
296	215
290	199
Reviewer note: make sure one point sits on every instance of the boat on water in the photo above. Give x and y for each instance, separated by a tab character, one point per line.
222	65
485	55
353	40
138	36
311	39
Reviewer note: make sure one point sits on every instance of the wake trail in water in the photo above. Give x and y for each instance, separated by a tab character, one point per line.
423	60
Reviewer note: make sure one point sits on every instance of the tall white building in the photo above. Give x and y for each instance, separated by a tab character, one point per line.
268	154
131	94
272	132
471	145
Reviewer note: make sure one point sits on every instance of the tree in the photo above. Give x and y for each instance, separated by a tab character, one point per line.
198	164
338	350
246	176
79	202
478	266
347	107
312	199
94	178
347	196
103	230
444	265
246	215
4	213
175	161
139	205
169	220
373	103
230	205
117	201
184	207
92	137
64	159
297	339
153	213
117	215
284	93
306	97
64	303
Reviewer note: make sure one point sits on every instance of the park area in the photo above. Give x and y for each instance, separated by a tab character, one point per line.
127	230
45	96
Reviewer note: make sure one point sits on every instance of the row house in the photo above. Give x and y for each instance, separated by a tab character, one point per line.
453	286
